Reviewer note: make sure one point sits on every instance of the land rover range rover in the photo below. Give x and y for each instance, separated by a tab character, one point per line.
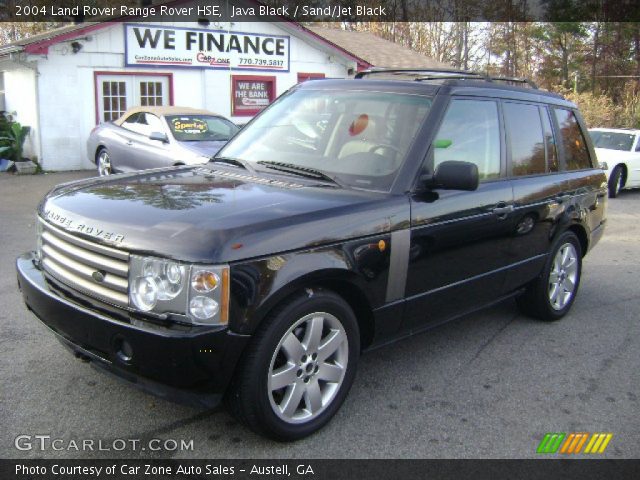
348	214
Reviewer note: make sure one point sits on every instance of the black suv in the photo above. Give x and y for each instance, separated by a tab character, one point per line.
348	214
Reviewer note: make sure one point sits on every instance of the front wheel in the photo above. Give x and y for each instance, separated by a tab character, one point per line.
299	367
550	296
616	182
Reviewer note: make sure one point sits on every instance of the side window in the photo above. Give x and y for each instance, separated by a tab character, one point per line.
470	132
638	145
550	144
151	123
574	146
525	138
131	122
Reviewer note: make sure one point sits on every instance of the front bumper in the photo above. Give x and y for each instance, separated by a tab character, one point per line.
191	365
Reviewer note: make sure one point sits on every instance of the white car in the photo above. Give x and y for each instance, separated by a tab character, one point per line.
618	151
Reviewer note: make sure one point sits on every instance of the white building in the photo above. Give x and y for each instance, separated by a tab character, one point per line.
64	82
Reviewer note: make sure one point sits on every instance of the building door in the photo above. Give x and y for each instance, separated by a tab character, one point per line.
117	92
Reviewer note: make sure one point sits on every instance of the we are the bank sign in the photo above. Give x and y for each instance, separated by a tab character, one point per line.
155	46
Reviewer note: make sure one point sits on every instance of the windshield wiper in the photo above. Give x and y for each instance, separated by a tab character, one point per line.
308	172
231	161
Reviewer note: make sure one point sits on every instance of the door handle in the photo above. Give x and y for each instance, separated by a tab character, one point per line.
502	210
129	142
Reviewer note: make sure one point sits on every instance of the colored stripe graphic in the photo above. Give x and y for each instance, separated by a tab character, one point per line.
573	443
551	442
581	442
598	443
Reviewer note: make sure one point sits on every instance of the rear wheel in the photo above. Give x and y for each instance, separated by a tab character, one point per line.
103	163
616	181
552	294
299	368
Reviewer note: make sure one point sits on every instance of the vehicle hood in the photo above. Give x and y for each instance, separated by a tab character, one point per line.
214	214
207	148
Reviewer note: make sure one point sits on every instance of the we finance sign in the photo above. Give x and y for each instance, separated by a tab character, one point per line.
155	45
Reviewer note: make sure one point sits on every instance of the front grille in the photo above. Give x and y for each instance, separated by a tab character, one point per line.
73	261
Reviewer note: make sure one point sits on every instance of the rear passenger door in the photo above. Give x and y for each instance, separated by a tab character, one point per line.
460	240
540	189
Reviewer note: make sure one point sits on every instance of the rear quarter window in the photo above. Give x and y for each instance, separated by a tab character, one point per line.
572	140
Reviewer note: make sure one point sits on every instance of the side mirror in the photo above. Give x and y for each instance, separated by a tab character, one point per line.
161	137
454	175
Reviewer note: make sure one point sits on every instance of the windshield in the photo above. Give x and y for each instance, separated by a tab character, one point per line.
358	138
199	128
611	140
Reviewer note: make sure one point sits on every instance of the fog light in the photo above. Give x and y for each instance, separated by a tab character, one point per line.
144	293
204	281
203	308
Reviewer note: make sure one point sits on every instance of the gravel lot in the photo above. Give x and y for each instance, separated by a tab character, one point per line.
489	385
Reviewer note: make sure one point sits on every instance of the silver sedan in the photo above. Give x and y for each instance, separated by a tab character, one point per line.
152	137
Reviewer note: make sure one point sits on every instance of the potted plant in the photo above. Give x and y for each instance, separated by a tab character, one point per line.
12	138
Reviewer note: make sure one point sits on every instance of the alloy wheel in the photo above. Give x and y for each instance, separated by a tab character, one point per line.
308	367
104	164
563	276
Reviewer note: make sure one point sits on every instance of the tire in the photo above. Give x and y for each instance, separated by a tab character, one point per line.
285	362
550	296
616	181
103	162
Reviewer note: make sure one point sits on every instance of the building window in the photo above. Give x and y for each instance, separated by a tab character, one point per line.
114	99
117	92
151	94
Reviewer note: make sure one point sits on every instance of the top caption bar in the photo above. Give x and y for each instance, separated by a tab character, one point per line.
321	10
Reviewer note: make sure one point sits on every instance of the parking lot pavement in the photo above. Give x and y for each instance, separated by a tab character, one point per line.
488	385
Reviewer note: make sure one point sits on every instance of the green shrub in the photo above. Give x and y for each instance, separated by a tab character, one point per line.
12	138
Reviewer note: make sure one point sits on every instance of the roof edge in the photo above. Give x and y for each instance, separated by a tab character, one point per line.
41	47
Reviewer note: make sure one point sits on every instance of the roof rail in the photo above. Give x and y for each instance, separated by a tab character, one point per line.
444	74
531	83
415	71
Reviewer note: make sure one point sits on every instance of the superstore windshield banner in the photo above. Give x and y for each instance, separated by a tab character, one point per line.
154	45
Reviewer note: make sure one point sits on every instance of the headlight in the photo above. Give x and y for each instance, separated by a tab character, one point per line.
201	293
144	293
169	276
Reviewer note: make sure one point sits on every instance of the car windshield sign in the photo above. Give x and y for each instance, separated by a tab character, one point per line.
188	128
358	138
